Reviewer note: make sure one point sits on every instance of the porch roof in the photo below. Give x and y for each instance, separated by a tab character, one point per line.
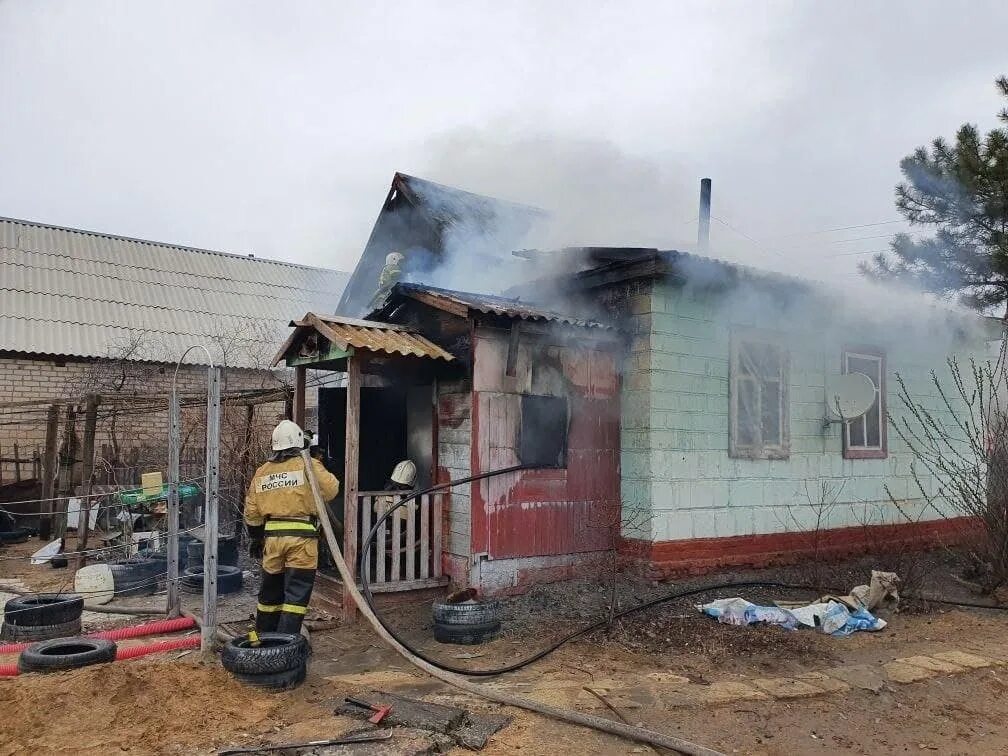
348	334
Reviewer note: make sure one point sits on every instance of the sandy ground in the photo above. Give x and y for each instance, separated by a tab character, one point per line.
668	669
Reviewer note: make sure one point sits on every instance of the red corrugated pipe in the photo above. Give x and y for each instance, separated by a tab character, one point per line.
154	648
174	644
158	627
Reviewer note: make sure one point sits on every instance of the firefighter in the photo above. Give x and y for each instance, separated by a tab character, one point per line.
389	277
280	515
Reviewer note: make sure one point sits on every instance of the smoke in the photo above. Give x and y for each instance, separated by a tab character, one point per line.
595	194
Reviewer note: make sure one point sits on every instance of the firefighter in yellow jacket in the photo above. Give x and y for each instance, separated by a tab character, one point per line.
280	515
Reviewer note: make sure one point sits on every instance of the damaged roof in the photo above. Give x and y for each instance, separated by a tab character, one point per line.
462	303
347	333
70	292
418	220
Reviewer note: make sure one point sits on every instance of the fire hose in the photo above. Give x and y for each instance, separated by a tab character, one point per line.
456	680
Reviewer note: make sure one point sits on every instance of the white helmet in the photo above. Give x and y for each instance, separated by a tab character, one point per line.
404	473
393	258
287	435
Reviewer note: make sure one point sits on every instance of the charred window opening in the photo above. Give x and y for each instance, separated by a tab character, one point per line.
542	438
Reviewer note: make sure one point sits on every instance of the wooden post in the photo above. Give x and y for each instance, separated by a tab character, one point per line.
246	455
174	606
17	463
351	461
87	477
67	460
211	521
300	381
49	474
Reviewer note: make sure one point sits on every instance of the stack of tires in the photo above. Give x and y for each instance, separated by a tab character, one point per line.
276	661
138	575
41	616
66	653
143	574
468	623
229	579
227	551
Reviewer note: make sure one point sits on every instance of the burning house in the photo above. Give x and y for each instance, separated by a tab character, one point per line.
670	407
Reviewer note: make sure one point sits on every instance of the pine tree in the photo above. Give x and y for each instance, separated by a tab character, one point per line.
962	191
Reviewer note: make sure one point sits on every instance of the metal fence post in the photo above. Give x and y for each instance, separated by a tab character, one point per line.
174	607
210	523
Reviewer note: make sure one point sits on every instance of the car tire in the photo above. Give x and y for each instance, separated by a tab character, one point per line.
43	609
66	653
33	633
229	579
467	613
285	680
466	635
277	652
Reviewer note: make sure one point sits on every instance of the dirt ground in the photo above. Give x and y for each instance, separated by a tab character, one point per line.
669	669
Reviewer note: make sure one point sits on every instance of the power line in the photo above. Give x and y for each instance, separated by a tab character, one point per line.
840	228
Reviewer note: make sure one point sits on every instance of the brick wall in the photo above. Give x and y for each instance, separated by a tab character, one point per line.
140	435
675	430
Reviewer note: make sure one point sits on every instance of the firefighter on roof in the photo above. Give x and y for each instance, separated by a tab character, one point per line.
280	515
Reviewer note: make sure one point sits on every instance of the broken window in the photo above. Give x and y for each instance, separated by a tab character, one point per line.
759	400
865	437
542	438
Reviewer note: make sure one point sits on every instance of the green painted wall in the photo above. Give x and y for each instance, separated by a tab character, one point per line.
678	480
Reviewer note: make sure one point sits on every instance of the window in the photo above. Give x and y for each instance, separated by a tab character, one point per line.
542	438
760	421
865	438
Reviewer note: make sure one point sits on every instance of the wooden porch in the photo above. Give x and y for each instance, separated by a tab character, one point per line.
406	554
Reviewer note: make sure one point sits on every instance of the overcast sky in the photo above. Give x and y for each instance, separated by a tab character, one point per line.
275	128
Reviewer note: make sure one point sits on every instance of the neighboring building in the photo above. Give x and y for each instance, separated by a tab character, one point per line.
84	312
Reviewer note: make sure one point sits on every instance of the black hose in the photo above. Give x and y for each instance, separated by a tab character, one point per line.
366	591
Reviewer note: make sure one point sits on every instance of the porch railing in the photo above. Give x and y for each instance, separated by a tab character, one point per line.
406	553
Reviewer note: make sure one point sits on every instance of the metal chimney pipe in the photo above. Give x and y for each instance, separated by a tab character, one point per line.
703	230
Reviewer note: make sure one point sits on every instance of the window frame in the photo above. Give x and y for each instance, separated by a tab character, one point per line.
866	452
763	450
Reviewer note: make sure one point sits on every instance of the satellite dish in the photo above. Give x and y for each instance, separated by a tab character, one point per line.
849	396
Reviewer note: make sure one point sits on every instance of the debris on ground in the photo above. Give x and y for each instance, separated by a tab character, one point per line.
831	617
461	727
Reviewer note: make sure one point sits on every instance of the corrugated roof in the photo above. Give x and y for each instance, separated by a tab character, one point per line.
496	305
363	334
70	292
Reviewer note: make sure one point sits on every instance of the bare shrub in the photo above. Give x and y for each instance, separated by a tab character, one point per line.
960	459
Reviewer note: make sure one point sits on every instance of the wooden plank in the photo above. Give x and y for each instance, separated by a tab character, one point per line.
351	461
512	353
396	547
67	459
17	463
49	473
87	477
366	504
438	523
300	382
425	556
440	303
411	535
400	586
379	549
